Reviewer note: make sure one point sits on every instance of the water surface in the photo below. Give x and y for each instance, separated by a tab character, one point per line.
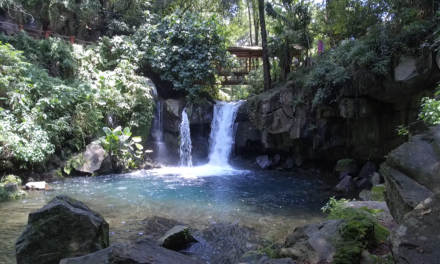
269	203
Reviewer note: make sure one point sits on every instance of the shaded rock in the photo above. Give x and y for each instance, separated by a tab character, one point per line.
418	127
402	193
346	165
376	179
264	162
345	185
288	164
276	159
11	187
415	239
419	159
377	193
145	251
98	257
94	155
407	68
299	160
314	242
176	238
364	184
106	166
366	259
342	175
266	260
41	185
368	169
62	228
175	107
365	195
142	251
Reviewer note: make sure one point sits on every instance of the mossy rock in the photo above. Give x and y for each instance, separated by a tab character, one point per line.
377	193
346	165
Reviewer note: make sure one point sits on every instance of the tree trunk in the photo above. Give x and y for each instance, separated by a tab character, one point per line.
266	67
250	21
256	22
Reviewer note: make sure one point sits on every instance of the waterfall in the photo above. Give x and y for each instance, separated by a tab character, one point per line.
185	141
157	128
222	136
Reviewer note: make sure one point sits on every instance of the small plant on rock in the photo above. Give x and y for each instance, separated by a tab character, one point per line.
124	150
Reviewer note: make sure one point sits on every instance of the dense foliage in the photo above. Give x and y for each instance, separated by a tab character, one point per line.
184	48
40	111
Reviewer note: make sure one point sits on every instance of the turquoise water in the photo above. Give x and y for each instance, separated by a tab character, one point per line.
268	202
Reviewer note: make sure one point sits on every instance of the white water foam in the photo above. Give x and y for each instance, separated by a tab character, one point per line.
222	137
185	141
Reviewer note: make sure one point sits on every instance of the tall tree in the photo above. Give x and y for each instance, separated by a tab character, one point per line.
266	67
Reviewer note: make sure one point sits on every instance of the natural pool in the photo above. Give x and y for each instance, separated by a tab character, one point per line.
269	203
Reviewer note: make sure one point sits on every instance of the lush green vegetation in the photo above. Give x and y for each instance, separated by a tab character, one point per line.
61	100
55	97
361	231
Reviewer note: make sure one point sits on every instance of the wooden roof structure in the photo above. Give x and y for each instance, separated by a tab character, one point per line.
247	52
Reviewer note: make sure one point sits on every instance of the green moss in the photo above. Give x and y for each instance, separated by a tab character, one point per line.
350	253
377	193
381	233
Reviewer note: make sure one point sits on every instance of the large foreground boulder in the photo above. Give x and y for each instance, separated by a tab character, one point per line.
143	251
63	228
416	238
314	242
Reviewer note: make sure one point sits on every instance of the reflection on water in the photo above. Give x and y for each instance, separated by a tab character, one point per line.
268	202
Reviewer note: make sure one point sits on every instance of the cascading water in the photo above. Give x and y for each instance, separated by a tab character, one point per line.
223	131
185	141
157	133
157	128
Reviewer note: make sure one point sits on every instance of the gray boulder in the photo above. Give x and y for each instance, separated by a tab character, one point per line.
364	184
176	238
276	159
346	165
365	195
143	251
94	156
368	169
375	179
345	185
98	257
264	162
62	228
415	239
288	164
402	193
314	242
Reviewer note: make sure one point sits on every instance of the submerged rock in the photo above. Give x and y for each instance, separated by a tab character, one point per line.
63	228
264	162
314	242
176	238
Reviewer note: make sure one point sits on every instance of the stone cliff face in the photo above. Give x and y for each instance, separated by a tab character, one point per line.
357	122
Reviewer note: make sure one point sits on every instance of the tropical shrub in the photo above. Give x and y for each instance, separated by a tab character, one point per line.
183	48
124	150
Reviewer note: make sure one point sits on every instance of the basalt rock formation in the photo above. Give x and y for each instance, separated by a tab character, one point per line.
63	228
